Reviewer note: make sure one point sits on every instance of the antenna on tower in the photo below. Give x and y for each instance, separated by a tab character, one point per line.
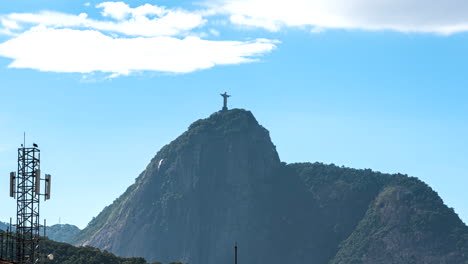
38	182
12	184
48	179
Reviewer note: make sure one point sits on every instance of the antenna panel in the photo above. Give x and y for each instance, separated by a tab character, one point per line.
38	182
12	184
47	186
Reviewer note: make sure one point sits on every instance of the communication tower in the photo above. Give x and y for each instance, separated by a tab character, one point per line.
25	187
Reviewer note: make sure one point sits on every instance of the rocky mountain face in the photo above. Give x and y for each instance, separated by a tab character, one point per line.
222	181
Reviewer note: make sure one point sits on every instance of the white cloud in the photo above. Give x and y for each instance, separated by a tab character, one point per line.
317	30
146	20
144	38
437	16
120	10
86	51
117	10
262	22
6	32
10	24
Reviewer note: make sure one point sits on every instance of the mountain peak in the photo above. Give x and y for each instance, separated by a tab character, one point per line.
237	119
222	132
206	167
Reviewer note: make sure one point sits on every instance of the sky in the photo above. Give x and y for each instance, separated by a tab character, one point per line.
102	86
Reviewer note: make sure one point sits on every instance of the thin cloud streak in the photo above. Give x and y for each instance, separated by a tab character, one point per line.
419	16
169	23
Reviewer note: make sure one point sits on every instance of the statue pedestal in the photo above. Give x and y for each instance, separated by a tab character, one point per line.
224	109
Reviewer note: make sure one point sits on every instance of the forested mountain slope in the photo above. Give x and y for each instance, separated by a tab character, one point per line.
222	181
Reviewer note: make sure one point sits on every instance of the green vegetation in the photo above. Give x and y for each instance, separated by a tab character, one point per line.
68	254
400	219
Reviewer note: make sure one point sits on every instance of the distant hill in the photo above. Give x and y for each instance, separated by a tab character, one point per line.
3	226
62	232
58	232
222	181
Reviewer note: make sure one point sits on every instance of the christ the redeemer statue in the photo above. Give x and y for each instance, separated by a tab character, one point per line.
225	96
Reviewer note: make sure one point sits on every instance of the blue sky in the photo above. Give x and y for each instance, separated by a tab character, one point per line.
356	89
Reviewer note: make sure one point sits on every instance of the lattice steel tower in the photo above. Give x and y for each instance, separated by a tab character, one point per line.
26	187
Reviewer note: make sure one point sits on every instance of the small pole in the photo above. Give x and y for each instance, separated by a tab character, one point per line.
7	246
235	253
11	241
